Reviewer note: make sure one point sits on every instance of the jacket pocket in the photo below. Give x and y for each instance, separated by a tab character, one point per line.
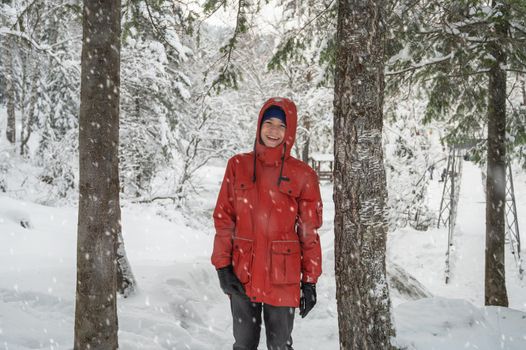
240	185
290	189
243	195
242	259
285	265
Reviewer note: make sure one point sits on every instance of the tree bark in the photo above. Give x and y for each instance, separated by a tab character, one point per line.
96	322
495	276
10	91
306	145
360	194
126	284
27	126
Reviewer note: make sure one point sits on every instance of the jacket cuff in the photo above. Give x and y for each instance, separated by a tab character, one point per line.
220	263
307	278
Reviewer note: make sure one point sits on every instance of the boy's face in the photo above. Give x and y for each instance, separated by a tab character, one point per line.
273	132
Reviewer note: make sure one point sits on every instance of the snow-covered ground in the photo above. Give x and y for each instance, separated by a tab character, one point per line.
179	304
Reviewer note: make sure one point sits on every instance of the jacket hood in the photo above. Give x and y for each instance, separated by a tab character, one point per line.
291	116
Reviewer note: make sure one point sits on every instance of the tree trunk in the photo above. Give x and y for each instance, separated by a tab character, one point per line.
360	194
22	97
306	145
96	322
10	91
126	284
523	90
495	276
27	126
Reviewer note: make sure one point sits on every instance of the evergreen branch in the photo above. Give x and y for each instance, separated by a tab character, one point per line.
291	42
321	13
513	87
209	4
515	70
230	47
451	28
430	62
438	32
433	61
239	29
519	9
518	27
161	34
210	13
38	47
456	27
461	75
392	5
29	7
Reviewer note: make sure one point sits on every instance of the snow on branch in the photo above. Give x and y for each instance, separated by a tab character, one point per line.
43	48
431	61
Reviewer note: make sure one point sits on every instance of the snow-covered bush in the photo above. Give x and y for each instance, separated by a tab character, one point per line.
412	154
5	164
58	161
153	91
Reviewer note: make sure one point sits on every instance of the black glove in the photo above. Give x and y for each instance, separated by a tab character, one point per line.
229	282
308	298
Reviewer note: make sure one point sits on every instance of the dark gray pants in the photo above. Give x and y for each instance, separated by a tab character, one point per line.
279	321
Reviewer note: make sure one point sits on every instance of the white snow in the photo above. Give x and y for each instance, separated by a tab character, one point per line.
322	157
179	304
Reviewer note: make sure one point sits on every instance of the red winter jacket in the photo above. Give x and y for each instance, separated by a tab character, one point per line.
266	226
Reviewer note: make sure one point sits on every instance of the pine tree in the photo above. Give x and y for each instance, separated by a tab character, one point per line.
495	276
460	53
360	223
99	209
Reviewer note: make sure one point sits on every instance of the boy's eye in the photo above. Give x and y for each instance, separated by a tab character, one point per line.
269	123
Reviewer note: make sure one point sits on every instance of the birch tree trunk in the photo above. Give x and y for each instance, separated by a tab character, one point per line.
96	322
495	274
360	194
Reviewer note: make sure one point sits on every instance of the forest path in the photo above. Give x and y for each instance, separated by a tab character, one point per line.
467	257
470	241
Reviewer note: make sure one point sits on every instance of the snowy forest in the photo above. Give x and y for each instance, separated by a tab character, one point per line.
119	120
